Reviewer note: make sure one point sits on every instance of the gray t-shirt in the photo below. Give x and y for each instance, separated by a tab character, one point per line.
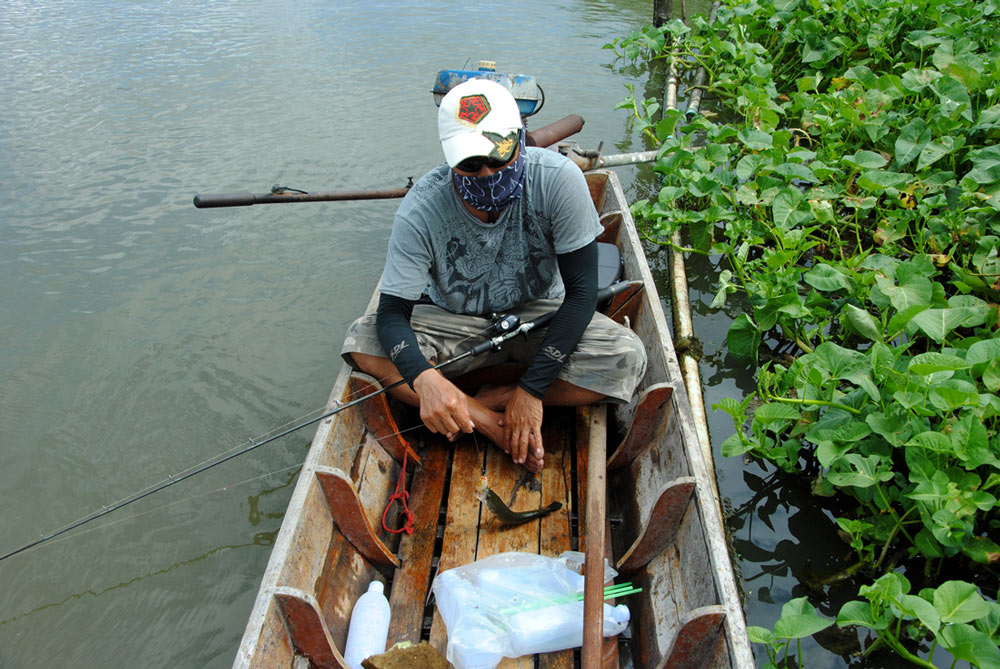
467	266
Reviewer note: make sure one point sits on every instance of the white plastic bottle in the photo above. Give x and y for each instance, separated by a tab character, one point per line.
369	626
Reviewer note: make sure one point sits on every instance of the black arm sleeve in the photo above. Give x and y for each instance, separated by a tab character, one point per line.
579	274
392	322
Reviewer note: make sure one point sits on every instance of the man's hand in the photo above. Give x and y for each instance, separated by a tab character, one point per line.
443	407
522	426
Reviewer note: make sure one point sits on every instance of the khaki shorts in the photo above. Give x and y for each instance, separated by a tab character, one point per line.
610	359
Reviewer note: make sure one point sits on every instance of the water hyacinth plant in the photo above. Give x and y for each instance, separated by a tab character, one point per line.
848	178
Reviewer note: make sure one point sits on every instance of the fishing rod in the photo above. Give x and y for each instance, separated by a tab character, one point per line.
507	327
545	136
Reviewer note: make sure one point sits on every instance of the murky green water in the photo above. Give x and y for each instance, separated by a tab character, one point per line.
140	336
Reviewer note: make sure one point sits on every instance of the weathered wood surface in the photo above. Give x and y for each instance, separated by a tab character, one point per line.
350	517
378	418
596	519
307	628
650	414
703	551
411	583
694	646
584	426
458	545
554	535
657	529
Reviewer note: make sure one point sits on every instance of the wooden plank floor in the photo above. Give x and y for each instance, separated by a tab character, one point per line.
471	531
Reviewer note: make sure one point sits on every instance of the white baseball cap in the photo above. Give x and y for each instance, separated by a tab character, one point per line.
478	118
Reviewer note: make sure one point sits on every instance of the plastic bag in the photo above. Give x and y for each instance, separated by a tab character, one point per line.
515	604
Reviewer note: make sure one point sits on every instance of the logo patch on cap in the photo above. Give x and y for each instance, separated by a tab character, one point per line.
473	108
503	146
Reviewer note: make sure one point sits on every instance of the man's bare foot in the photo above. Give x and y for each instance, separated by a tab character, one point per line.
494	397
487	422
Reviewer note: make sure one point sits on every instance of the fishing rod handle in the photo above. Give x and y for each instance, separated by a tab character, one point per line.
211	200
526	327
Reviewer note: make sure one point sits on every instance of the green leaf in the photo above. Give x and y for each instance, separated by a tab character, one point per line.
932	441
952	394
865	160
776	412
967	643
917	80
933	152
759	634
743	338
985	166
911	141
861	322
971	443
991	376
937	323
796	171
978	309
860	613
827	278
929	363
748	165
953	96
959	602
982	550
893	428
784	208
922	610
839	362
798	620
927	544
879	180
734	445
865	471
982	353
913	291
755	140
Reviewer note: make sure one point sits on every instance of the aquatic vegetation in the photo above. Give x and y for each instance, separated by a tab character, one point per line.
850	180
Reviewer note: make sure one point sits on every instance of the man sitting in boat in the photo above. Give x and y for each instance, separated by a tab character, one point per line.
499	228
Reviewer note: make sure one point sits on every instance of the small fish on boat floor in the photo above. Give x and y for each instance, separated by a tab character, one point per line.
503	512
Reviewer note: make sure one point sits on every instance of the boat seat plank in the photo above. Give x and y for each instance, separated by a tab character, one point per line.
350	517
661	526
695	643
611	222
306	627
458	545
514	485
411	583
650	413
625	305
554	536
597	184
378	418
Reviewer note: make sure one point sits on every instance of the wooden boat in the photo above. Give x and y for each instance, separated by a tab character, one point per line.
665	532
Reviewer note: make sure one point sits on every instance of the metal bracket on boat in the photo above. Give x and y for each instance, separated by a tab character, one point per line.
591	160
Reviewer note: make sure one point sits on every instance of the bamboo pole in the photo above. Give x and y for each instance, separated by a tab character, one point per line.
683	324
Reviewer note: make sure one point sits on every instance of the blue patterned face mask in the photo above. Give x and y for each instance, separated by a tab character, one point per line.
495	191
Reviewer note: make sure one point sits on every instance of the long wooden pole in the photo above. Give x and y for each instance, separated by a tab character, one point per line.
545	136
593	589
